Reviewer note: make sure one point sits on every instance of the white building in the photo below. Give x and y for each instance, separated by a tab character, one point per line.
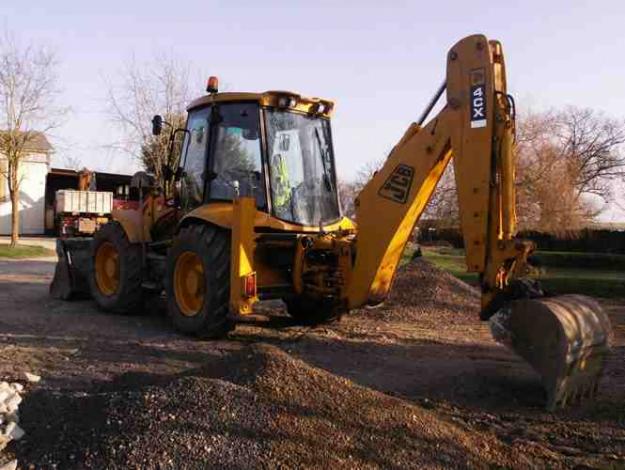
33	170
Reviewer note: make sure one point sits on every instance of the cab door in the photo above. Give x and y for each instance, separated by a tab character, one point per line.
194	157
235	163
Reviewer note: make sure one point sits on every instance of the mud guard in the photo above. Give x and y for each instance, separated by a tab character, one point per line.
564	338
72	269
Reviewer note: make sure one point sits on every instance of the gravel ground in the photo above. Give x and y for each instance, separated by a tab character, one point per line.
257	407
417	383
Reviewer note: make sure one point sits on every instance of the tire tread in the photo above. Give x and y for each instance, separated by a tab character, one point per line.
213	245
129	298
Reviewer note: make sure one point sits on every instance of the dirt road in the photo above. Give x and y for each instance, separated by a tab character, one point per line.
417	383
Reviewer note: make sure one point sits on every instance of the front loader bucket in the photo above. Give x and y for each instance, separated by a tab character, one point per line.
72	268
564	338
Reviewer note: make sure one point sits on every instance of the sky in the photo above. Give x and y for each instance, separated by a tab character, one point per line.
379	60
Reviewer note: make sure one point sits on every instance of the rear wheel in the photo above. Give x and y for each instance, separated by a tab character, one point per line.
115	280
198	281
310	311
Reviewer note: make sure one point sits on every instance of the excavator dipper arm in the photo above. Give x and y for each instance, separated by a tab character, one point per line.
475	129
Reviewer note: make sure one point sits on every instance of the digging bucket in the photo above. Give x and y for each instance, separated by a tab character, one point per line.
72	268
564	338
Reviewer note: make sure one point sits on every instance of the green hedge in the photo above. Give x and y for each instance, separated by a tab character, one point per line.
560	259
594	287
584	241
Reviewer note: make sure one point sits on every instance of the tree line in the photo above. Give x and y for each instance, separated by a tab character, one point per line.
569	162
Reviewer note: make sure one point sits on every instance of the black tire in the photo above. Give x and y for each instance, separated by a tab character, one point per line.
212	247
128	297
310	311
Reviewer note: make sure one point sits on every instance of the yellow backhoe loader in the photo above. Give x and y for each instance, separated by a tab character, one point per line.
256	216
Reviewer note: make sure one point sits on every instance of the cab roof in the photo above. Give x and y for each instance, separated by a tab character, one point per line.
273	98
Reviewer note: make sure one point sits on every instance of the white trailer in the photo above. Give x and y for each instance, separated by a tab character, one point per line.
82	212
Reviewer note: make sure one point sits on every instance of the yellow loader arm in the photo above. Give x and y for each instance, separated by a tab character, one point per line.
476	130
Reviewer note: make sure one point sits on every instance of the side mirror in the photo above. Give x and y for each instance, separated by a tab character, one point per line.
157	124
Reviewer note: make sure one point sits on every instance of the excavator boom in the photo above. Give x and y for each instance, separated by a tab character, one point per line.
475	129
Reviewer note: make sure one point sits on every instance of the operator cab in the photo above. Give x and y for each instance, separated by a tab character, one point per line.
275	147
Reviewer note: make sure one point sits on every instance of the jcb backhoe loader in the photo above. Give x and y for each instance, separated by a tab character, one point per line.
256	216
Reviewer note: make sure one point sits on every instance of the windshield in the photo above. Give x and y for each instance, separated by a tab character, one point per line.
301	167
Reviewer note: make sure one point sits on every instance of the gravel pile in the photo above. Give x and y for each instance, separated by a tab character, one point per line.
258	407
421	291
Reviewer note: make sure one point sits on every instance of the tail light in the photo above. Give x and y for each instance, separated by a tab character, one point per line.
249	285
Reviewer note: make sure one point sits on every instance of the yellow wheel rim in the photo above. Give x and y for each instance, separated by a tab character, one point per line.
189	283
107	268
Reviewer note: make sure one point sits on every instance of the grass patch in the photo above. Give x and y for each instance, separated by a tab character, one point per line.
451	260
599	278
24	251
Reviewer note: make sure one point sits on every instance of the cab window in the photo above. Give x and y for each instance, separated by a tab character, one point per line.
235	155
194	159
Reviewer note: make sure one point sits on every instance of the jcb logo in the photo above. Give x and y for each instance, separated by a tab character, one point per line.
397	186
478	106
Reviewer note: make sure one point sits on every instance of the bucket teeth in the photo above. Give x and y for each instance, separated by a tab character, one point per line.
573	391
576	395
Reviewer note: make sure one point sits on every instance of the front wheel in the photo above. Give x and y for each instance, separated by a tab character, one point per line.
198	281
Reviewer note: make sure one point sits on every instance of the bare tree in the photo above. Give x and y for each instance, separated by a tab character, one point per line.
28	93
366	172
347	195
563	157
73	163
157	87
592	143
349	190
443	209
